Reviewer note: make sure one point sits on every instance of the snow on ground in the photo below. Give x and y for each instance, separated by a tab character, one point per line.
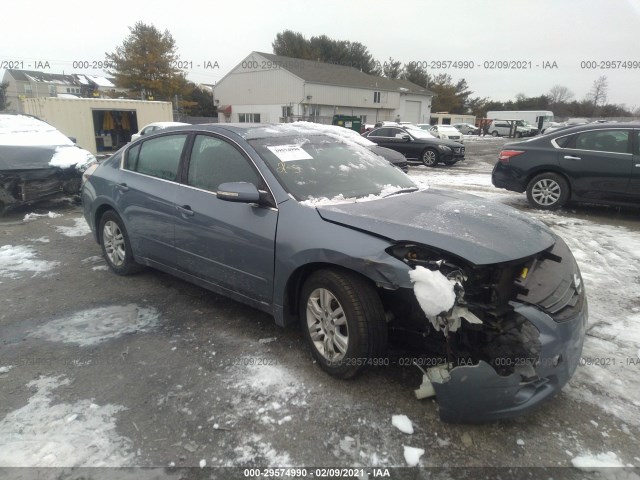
592	462
402	423
91	327
80	229
412	455
16	259
6	369
48	434
609	259
34	216
40	240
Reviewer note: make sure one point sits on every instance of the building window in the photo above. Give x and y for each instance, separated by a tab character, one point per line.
376	97
249	117
52	90
314	111
286	111
363	119
28	89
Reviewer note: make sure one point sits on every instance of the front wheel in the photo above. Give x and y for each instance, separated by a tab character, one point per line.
547	191
116	247
430	157
494	133
343	321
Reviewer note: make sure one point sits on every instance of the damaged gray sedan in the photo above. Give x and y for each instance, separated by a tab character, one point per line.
317	230
37	162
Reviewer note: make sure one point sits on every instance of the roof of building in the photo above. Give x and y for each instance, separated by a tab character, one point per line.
341	75
61	79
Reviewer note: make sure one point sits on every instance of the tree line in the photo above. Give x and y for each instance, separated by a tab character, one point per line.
146	64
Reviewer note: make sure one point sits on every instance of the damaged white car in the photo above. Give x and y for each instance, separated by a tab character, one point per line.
316	229
37	162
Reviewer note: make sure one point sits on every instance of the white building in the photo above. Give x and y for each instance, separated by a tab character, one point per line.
270	88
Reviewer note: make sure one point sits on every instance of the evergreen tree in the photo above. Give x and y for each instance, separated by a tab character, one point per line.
145	63
4	103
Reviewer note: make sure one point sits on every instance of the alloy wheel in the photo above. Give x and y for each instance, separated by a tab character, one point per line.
327	324
114	243
546	192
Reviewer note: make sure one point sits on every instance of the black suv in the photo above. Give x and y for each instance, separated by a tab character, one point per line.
417	144
593	163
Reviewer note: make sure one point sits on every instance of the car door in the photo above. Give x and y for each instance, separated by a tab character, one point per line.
227	244
633	192
599	163
146	194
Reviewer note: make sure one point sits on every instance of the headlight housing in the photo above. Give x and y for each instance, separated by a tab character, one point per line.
444	148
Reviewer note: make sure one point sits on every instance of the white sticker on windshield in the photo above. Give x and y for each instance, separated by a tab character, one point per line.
289	153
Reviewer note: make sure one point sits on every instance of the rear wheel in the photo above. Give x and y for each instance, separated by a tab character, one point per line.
547	191
430	157
343	321
116	247
494	133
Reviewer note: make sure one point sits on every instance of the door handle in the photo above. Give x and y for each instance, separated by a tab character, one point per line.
570	157
185	210
122	187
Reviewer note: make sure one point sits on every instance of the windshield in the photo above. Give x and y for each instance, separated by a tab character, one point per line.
320	167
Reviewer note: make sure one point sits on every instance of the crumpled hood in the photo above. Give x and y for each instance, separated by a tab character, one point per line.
478	230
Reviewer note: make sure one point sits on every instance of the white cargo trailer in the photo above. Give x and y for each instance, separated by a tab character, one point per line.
99	125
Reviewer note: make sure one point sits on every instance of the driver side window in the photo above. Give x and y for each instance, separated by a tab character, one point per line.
215	161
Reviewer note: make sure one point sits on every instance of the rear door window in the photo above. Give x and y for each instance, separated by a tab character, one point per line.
611	141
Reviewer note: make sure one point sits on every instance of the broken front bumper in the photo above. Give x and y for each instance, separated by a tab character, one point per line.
476	393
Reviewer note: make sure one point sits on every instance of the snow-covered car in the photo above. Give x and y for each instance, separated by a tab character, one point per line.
37	161
446	132
315	229
154	127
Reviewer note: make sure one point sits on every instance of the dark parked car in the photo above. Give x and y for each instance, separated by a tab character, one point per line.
594	163
37	162
417	145
317	230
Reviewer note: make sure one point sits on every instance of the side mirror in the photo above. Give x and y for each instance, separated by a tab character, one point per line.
242	192
406	137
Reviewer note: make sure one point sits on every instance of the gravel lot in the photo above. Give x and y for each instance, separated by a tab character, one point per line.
147	370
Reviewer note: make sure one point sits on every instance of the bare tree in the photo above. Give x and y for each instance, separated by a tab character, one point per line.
559	94
598	93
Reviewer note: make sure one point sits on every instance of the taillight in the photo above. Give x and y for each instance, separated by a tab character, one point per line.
506	155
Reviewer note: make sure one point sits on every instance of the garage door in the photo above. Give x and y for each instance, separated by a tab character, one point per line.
412	111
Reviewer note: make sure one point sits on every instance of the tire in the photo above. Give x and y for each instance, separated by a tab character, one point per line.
494	133
518	134
548	191
116	247
430	157
344	322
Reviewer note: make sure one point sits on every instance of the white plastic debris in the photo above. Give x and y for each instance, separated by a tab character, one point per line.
402	423
412	455
203	463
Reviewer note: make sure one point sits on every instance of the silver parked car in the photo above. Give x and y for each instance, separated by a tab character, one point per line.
317	230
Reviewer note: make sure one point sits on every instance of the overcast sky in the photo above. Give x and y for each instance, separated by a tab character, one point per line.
566	32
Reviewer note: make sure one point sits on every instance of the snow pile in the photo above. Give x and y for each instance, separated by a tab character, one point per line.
14	259
19	130
6	369
91	327
33	216
412	455
434	292
255	451
402	423
65	157
44	434
80	229
592	463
